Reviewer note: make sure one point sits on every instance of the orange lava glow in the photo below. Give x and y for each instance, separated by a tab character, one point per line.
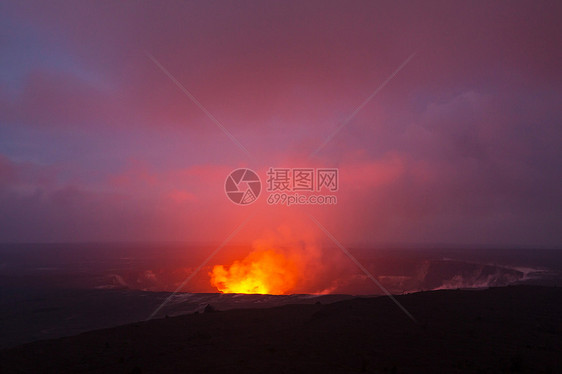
261	272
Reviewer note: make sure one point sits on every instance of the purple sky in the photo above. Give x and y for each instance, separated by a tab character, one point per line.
461	147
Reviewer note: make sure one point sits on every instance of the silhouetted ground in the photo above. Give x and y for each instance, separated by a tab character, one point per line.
510	329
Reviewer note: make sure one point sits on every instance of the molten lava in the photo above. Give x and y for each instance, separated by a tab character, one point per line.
261	272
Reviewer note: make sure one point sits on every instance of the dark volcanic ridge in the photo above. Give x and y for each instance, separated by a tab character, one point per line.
31	314
508	329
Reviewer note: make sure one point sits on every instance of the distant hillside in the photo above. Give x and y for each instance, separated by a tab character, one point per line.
510	329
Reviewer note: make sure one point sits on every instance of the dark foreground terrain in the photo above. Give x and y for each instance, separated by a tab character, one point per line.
509	329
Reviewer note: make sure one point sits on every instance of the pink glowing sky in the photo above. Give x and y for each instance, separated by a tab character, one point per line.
462	146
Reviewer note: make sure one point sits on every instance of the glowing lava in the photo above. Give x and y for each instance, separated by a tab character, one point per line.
261	272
